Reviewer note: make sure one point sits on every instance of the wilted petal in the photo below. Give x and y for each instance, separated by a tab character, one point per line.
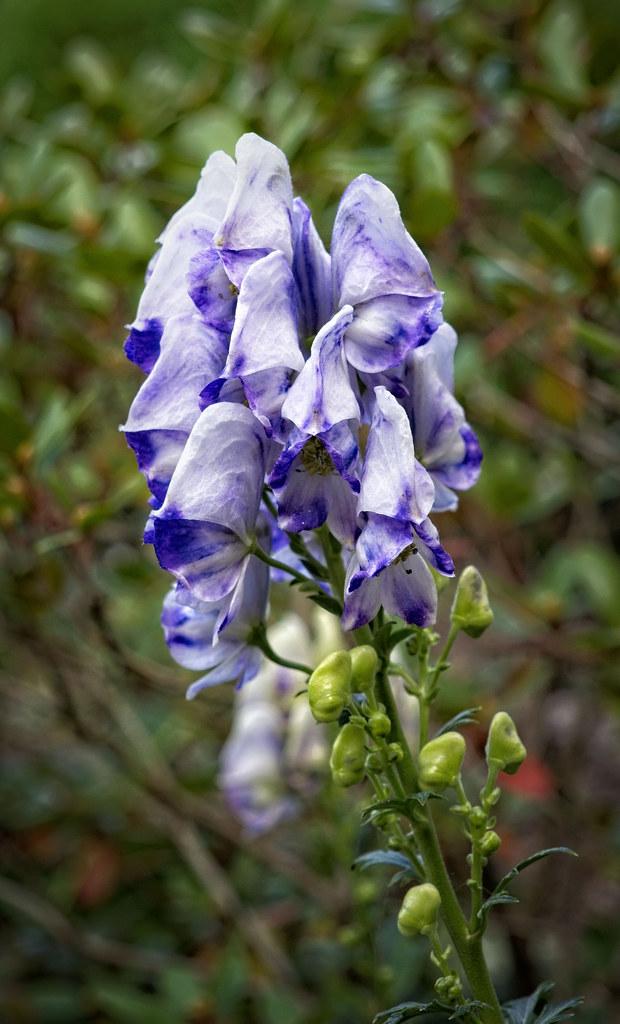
393	482
312	271
265	329
372	252
322	395
385	329
258	218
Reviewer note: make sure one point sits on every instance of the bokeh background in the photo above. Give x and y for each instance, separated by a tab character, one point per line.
128	893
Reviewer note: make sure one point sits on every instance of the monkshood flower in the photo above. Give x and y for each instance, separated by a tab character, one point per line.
444	441
379	271
240	212
275	746
206	527
389	567
215	638
315	480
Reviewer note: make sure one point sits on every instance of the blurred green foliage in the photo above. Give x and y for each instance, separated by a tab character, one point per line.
129	893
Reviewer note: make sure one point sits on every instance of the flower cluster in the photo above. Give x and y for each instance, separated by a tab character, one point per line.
287	388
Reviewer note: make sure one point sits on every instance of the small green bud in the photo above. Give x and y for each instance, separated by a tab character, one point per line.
477	817
418	911
471	610
489	843
364	664
504	748
395	752
329	686
379	724
348	755
374	762
440	761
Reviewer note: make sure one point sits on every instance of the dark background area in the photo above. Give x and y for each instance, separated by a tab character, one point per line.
128	894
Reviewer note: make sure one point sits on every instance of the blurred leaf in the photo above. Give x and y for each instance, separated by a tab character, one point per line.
599	219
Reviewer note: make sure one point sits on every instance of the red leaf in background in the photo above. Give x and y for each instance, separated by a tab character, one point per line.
97	872
533	780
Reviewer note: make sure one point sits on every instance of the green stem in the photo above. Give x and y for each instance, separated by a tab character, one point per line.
468	947
276	564
261	641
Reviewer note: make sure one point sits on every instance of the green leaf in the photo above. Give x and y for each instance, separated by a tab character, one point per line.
556	243
405	807
532	1009
409	1011
465	717
499	894
392	857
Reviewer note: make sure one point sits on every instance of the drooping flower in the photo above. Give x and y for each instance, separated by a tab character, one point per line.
444	441
274	746
215	638
240	212
315	480
389	567
264	349
168	404
206	526
380	271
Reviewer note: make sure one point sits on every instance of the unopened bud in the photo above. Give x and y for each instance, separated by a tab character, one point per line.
348	755
364	663
504	748
379	724
418	911
471	610
329	687
440	761
489	843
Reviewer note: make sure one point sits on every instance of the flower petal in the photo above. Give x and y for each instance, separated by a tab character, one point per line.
408	590
265	330
322	395
385	329
258	218
219	477
393	482
372	252
166	291
427	542
312	270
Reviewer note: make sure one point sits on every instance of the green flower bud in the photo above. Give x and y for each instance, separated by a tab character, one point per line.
329	686
364	664
348	755
418	911
504	748
489	843
471	610
440	761
478	817
379	724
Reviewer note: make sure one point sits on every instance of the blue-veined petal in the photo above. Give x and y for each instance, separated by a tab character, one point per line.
385	329
312	271
372	252
219	477
427	543
393	482
167	405
323	394
258	218
166	292
265	329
